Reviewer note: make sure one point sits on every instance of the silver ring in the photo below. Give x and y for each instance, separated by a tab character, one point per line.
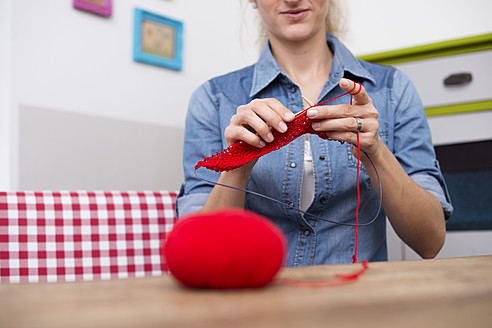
359	124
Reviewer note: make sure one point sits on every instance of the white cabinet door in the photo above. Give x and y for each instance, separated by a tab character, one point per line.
429	75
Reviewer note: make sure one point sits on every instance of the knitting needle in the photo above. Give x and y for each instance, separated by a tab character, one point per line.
309	102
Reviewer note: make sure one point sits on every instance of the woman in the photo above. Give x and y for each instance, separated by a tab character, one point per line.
300	60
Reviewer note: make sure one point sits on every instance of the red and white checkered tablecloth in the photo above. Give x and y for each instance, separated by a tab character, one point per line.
83	235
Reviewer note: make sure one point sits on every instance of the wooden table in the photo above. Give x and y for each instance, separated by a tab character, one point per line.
431	293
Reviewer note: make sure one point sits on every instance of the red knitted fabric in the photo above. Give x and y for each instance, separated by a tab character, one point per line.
242	153
227	248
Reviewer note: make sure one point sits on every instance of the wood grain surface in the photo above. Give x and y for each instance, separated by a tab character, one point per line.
427	293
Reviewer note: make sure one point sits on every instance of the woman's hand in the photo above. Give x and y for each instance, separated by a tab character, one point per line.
339	121
252	122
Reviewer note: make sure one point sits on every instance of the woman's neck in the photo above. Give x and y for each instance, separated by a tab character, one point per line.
307	63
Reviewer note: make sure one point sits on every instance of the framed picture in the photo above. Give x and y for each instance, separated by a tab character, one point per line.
157	40
98	7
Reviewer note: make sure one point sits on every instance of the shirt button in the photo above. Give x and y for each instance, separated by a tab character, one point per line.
293	89
322	158
293	165
307	233
322	200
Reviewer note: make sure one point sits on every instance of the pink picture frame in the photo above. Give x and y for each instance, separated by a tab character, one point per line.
98	7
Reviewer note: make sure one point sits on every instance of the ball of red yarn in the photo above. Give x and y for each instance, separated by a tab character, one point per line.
227	248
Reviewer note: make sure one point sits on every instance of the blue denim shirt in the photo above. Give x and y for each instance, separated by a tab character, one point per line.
403	128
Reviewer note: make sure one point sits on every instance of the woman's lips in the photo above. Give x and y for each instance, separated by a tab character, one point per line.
295	14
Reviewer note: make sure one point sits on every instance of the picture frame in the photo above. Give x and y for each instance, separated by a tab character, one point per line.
157	40
99	7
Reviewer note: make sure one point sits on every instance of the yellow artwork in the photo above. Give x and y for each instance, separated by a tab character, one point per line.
96	2
158	39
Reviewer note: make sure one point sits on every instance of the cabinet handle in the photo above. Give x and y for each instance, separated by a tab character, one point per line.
458	79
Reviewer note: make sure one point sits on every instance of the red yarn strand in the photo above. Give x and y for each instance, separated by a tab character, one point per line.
354	257
338	280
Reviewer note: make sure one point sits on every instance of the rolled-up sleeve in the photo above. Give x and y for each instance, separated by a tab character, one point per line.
438	188
189	204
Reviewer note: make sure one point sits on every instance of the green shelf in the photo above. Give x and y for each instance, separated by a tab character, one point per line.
459	108
433	50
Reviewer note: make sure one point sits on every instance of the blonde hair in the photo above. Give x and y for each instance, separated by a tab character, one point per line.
335	22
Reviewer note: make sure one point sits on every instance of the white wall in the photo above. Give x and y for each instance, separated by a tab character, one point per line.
68	59
5	92
381	25
55	57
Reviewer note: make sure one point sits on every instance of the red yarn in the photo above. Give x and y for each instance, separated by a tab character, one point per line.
354	257
227	248
339	279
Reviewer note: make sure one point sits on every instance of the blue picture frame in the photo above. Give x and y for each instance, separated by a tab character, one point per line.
158	40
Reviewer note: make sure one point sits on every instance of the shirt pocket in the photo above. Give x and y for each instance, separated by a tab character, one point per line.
384	131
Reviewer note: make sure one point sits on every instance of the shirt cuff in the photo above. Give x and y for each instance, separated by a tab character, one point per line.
438	189
189	204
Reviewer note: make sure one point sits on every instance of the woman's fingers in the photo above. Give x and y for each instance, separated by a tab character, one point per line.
253	122
356	90
344	117
270	112
234	133
339	122
347	124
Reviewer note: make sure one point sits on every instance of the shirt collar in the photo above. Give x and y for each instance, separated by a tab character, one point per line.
267	69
